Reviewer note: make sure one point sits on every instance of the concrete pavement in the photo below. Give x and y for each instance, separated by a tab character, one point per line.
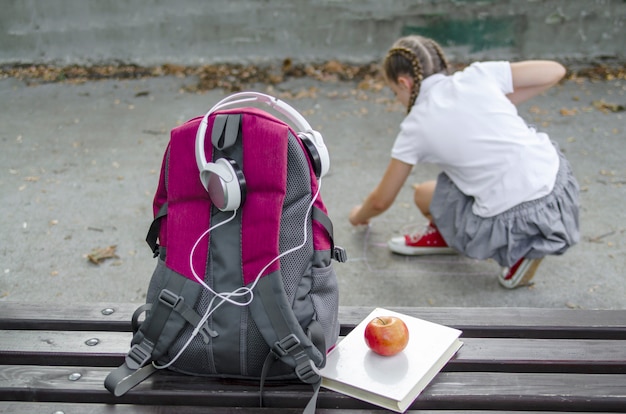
80	164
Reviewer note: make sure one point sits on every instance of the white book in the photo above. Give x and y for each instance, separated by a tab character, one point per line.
392	382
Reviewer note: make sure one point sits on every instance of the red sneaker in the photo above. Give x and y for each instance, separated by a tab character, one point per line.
428	242
519	274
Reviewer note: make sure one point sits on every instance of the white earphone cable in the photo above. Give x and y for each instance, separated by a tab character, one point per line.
239	292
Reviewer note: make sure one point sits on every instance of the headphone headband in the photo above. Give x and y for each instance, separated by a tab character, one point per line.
237	99
283	107
312	140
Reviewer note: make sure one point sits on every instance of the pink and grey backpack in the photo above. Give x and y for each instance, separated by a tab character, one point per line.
244	286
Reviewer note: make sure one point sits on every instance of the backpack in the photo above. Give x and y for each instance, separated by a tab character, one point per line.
244	286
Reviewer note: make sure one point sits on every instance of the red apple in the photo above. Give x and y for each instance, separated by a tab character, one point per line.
386	335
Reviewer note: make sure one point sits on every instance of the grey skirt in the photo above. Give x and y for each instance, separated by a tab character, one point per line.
534	229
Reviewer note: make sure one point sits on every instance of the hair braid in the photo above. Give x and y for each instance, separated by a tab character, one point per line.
442	57
416	70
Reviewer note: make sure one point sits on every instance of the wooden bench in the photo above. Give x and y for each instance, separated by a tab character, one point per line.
53	359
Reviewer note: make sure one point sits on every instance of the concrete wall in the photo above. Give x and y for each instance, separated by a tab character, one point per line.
191	32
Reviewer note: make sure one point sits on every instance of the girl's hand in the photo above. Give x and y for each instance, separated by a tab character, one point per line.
379	200
353	217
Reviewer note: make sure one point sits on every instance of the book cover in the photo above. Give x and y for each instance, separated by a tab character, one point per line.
392	382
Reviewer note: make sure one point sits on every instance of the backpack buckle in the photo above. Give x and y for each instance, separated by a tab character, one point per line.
339	254
307	372
285	345
207	333
139	355
169	298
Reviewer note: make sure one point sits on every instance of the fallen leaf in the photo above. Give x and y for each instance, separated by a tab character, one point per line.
98	255
333	66
536	110
607	107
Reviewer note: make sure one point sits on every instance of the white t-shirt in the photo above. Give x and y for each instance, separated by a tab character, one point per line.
465	124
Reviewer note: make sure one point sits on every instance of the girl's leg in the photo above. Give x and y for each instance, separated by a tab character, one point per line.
423	196
428	241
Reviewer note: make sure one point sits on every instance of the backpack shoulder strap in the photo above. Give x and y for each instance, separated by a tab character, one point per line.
281	330
303	351
167	316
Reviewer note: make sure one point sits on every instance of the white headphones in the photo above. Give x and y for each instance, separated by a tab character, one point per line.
223	179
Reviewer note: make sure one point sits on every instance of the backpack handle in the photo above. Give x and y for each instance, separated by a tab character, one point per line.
301	124
283	107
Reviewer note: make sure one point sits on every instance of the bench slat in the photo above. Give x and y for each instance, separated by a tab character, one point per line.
478	354
449	390
512	322
474	322
77	408
77	316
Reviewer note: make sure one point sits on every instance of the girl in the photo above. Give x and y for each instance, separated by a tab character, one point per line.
505	192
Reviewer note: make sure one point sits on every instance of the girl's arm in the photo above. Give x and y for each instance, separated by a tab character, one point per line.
383	195
532	77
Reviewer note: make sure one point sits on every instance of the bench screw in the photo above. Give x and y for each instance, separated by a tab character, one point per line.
108	311
92	342
74	377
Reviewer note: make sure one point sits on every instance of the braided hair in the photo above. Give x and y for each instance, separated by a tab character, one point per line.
416	56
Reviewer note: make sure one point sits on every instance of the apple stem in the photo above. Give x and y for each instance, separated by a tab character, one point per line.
382	321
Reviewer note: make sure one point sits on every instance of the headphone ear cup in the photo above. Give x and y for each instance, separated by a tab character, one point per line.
225	183
314	156
318	153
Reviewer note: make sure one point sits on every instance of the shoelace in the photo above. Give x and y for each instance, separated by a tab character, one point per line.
416	236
